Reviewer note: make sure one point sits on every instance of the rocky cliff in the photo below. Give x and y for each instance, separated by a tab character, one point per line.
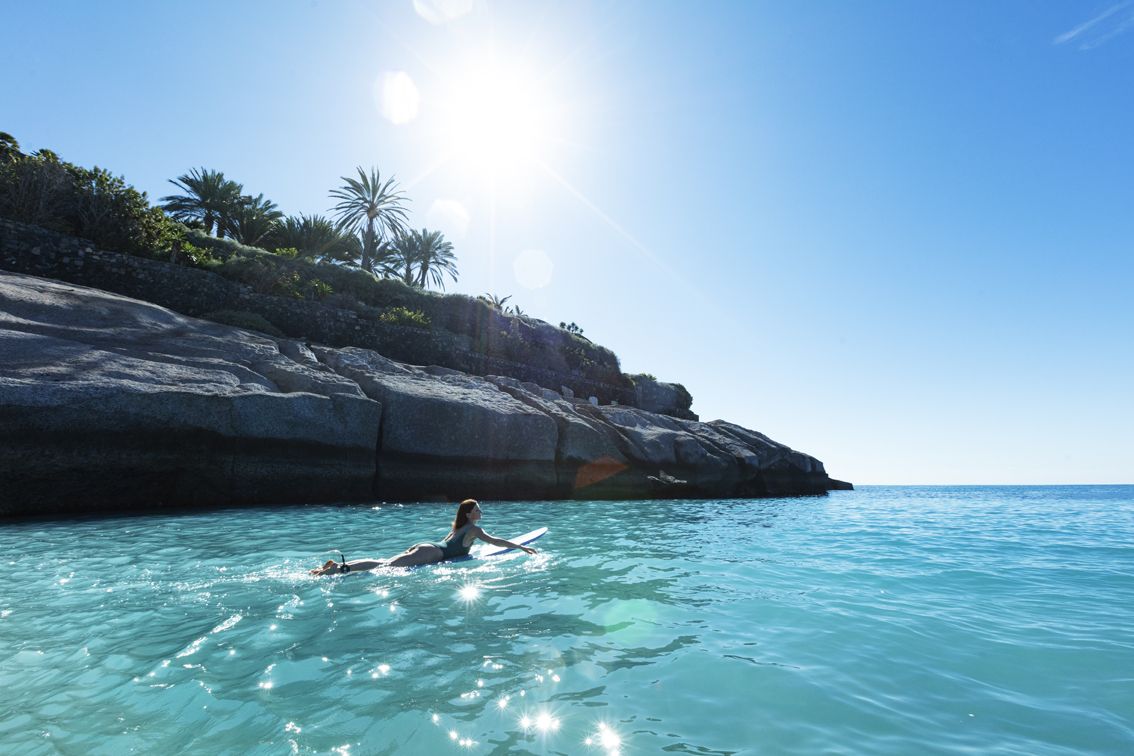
464	334
112	403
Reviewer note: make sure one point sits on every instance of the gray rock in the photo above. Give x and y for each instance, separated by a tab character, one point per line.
662	398
112	403
446	433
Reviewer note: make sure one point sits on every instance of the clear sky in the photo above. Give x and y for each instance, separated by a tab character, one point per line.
896	236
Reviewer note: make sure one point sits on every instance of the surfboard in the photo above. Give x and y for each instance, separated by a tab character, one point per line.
487	551
491	551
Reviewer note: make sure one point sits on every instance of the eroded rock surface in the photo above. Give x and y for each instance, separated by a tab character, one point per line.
112	403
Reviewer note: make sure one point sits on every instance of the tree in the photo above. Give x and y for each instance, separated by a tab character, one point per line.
208	197
371	208
41	189
424	256
435	258
9	147
316	238
494	301
38	190
405	257
386	259
255	220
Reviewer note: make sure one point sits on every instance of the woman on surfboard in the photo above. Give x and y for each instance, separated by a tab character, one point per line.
457	544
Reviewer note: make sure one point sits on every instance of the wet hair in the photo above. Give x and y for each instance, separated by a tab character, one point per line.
463	510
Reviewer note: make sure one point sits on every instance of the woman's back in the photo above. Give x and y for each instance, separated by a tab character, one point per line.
454	544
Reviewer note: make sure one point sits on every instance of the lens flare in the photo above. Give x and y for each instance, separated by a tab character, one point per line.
533	269
397	97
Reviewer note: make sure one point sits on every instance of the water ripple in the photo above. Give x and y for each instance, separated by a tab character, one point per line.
888	620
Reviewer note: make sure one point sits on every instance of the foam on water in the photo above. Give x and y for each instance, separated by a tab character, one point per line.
886	620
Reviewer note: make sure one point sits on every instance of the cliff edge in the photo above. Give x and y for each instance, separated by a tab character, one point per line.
111	403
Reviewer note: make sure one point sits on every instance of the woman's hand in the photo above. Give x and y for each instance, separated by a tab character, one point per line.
528	549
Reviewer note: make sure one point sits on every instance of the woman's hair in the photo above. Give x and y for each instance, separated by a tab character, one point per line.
463	513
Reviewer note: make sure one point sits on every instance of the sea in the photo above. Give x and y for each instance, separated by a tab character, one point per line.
886	620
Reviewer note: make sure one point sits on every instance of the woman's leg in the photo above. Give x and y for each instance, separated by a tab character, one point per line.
358	565
362	565
422	553
329	568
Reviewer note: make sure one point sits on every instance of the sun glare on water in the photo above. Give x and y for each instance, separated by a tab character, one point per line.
469	593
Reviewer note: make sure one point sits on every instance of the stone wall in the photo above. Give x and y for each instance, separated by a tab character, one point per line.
195	292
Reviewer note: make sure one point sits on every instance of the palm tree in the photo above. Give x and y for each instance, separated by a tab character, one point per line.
494	301
9	147
386	260
208	197
435	258
316	238
255	220
372	208
423	256
406	254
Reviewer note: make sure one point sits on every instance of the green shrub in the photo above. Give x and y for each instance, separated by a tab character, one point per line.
256	272
198	257
316	289
87	202
247	320
405	317
288	284
223	249
43	190
576	357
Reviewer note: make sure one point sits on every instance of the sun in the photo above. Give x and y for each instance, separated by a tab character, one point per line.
499	120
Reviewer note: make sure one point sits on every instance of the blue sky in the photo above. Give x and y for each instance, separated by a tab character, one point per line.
897	236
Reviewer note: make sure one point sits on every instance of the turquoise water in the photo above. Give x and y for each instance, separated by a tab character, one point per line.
885	620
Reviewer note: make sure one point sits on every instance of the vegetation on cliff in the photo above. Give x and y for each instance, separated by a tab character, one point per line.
366	259
91	203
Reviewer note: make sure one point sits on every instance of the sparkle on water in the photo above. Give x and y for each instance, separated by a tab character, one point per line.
469	593
899	620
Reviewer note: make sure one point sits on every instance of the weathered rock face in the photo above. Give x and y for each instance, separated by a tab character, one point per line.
106	402
112	403
672	399
467	334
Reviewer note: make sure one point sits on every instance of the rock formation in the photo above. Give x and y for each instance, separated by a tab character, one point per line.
108	403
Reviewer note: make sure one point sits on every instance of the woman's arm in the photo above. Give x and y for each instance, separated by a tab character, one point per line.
500	541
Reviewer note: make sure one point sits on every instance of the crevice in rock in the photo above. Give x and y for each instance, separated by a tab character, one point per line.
621	440
376	483
376	486
528	400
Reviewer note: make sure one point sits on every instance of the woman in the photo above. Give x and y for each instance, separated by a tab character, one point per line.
465	531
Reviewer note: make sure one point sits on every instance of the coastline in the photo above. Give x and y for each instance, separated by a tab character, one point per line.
115	403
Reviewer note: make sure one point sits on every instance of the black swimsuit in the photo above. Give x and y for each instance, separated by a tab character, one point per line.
454	546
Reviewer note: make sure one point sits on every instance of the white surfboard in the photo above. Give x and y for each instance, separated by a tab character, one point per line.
491	551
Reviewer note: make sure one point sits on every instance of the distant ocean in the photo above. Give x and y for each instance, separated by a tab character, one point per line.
888	620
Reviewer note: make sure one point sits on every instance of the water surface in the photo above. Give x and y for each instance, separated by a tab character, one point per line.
885	620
